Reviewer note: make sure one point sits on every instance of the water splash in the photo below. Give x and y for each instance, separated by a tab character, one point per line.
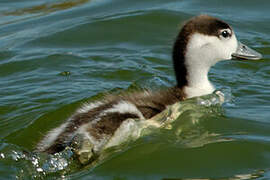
34	165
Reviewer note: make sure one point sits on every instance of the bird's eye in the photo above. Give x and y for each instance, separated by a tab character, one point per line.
225	34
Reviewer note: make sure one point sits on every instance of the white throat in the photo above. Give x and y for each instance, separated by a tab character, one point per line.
198	82
198	61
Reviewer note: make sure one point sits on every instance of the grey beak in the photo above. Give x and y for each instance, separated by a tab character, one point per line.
245	53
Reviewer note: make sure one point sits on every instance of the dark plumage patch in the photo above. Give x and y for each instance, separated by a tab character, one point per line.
109	123
155	102
56	147
203	24
207	25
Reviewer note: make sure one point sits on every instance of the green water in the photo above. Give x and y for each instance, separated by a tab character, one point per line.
56	54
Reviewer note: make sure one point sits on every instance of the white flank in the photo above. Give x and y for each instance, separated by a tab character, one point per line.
49	139
88	106
123	107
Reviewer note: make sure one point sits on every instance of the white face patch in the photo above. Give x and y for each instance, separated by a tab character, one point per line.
207	50
202	52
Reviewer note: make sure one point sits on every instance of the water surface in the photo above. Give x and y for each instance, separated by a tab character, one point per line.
56	54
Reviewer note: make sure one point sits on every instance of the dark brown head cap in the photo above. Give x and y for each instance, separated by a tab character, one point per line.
206	25
203	24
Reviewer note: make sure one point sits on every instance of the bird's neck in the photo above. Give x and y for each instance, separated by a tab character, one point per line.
198	83
191	66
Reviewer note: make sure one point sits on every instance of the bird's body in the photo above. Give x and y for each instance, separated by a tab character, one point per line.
202	42
99	120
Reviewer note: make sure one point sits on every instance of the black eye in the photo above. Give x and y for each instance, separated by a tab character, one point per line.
225	34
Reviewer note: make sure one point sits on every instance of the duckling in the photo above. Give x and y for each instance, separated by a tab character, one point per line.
201	43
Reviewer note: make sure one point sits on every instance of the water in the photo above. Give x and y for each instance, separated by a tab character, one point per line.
57	54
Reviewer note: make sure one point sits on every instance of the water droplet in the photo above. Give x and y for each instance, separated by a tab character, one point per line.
39	170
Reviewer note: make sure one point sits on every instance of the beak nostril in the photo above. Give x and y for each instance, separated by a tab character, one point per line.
244	47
